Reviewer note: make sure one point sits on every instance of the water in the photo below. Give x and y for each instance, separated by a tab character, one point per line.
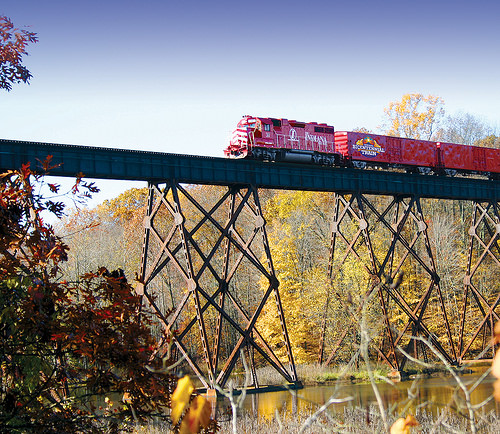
429	393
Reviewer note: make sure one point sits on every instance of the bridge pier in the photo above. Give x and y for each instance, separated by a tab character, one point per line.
203	252
386	241
480	301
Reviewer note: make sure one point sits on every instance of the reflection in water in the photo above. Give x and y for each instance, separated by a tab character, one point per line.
429	393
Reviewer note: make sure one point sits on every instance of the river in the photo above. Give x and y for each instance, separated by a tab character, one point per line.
430	393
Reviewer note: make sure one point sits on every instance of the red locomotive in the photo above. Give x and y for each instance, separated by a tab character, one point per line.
283	140
286	140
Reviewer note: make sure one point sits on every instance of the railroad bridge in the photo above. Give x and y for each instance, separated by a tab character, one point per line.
207	304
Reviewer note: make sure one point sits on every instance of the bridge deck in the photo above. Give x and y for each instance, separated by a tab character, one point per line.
122	164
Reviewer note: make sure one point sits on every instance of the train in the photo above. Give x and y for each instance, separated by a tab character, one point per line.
272	139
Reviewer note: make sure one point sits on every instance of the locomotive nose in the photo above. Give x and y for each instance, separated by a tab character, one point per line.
238	144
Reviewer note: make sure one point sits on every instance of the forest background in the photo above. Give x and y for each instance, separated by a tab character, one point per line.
298	227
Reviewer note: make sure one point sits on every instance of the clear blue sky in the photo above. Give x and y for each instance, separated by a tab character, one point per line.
176	76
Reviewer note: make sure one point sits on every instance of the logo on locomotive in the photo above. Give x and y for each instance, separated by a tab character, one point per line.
368	147
320	140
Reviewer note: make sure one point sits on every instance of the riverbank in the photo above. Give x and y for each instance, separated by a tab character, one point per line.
317	375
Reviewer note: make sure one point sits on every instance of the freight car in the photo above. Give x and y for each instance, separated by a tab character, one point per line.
273	139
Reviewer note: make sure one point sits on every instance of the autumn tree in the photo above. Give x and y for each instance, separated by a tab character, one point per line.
67	351
416	116
463	128
490	141
298	235
13	45
110	235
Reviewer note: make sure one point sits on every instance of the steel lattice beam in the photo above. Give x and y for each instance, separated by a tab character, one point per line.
480	303
354	225
174	239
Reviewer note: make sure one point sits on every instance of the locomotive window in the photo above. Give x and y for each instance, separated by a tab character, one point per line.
319	130
267	127
297	124
276	122
329	130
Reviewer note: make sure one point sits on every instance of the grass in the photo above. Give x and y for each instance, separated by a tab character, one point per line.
313	418
314	374
352	420
356	420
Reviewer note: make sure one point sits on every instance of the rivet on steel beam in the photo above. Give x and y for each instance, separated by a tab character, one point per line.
178	219
191	285
363	224
259	221
139	288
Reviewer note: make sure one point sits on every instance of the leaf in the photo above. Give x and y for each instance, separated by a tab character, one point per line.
197	417
54	188
403	426
496	331
495	366
180	398
496	390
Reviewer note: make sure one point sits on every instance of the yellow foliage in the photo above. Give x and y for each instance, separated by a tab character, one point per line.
180	398
291	221
415	116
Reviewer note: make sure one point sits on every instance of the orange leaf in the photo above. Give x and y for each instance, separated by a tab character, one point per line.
403	426
496	390
496	339
495	366
197	416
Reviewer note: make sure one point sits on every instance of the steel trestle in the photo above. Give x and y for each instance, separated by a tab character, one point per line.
407	309
208	275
